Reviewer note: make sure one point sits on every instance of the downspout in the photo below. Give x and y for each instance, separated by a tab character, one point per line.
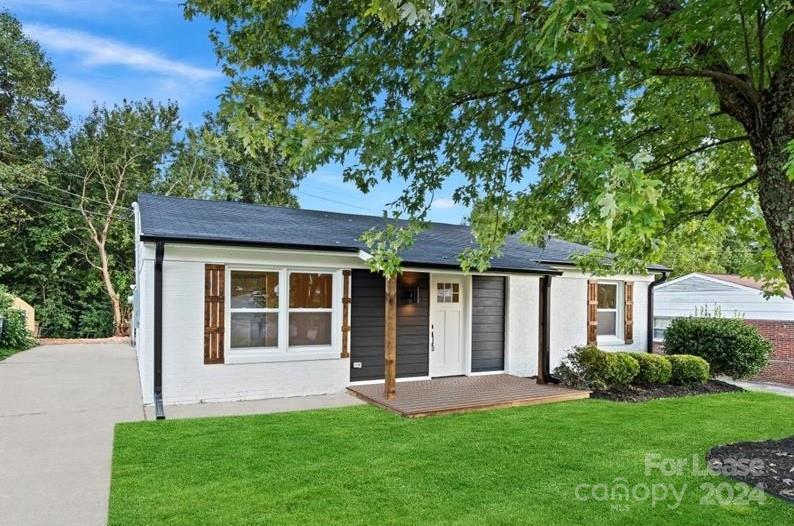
544	326
158	330
654	283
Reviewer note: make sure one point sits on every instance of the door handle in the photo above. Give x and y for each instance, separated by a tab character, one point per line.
432	339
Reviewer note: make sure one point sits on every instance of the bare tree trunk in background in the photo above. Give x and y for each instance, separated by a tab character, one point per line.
112	182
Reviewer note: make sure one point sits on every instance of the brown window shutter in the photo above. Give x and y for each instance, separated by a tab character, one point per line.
592	312
345	314
628	311
214	313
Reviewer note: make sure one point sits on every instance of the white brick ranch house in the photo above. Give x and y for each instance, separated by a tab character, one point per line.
236	301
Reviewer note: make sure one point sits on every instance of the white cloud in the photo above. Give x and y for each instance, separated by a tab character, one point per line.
98	51
83	7
444	203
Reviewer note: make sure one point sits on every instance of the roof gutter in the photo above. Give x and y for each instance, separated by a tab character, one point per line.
158	330
544	333
653	284
561	263
239	243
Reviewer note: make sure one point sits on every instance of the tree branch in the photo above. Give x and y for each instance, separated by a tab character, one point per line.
727	78
728	191
699	149
461	99
748	57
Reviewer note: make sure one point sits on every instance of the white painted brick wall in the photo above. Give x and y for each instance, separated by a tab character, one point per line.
186	379
569	314
522	319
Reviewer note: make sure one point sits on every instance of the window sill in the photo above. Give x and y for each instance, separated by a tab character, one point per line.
240	356
610	340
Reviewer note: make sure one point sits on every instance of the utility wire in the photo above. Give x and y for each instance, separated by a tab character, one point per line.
275	176
59	205
42	181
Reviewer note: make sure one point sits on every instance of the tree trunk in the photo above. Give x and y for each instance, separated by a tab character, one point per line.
115	302
776	194
768	141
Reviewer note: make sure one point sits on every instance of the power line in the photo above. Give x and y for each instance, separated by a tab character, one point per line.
273	175
234	165
41	181
59	205
46	196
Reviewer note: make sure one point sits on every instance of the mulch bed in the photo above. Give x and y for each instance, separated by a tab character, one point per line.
771	465
643	394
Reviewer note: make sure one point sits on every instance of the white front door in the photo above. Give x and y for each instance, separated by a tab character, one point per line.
446	326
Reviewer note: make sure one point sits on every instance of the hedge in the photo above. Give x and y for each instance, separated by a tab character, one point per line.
688	370
729	345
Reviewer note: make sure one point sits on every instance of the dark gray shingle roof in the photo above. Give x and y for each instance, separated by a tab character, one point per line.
226	222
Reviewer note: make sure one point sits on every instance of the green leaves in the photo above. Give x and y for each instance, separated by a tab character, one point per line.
598	121
386	244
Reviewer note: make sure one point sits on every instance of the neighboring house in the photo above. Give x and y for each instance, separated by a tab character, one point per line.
27	310
239	301
732	297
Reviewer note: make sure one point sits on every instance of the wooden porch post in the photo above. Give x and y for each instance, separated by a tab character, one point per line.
390	344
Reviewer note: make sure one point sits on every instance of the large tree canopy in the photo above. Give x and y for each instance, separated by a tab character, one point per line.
624	121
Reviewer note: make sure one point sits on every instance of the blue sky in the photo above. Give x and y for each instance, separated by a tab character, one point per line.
107	50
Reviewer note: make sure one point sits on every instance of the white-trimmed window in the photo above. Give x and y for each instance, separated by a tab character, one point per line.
660	325
610	315
254	306
310	309
276	314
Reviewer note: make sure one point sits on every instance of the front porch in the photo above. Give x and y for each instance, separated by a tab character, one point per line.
465	393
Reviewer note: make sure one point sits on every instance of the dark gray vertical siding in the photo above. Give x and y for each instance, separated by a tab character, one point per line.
367	326
487	323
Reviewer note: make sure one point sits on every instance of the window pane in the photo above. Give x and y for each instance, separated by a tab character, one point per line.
254	329
254	290
662	323
309	328
310	291
607	296
607	323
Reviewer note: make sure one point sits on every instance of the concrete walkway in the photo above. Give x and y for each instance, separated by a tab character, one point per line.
767	387
58	406
256	407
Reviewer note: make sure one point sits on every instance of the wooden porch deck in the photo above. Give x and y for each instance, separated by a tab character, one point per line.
464	393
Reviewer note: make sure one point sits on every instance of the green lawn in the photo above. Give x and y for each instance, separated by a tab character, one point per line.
362	465
6	352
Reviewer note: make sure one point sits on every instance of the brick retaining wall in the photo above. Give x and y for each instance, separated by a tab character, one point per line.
781	334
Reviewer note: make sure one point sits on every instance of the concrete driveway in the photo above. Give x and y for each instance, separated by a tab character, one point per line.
58	406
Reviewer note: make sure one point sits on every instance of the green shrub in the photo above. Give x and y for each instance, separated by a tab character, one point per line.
655	369
621	369
584	367
688	370
588	367
15	334
729	345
